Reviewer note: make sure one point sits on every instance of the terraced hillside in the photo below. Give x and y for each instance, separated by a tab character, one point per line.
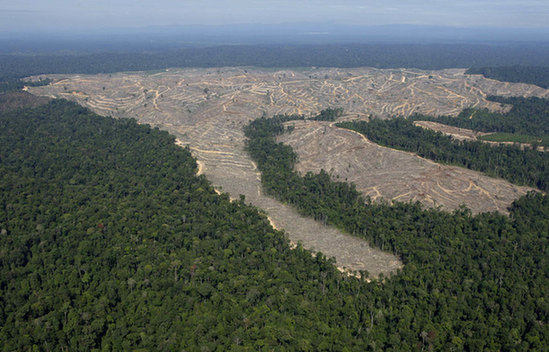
207	108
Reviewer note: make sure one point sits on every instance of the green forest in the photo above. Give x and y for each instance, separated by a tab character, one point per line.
523	167
14	84
527	117
422	56
538	75
469	282
108	241
516	138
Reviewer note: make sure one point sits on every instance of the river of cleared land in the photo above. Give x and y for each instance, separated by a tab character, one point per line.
207	108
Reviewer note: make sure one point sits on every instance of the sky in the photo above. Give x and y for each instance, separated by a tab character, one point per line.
30	15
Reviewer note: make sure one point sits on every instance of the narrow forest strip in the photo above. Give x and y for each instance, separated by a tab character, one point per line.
538	75
516	138
528	119
522	167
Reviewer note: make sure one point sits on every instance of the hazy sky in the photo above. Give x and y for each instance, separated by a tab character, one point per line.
37	14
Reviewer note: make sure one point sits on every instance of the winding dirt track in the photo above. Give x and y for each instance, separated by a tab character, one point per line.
207	108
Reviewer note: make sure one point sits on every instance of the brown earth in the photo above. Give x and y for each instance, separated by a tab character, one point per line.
207	108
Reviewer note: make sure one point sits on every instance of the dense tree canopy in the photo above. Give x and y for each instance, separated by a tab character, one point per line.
538	75
11	85
524	167
469	283
109	241
528	116
422	56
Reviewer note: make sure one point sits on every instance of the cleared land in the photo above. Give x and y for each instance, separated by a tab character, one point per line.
207	108
457	133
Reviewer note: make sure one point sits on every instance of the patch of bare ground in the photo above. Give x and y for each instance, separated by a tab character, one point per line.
457	133
384	173
463	134
207	108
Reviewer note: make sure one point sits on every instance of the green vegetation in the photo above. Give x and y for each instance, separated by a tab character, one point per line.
528	117
537	75
523	167
11	85
328	114
515	138
422	56
468	284
20	99
12	96
109	241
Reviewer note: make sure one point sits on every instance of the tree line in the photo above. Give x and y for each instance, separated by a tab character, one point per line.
465	278
523	167
538	75
421	56
528	116
14	84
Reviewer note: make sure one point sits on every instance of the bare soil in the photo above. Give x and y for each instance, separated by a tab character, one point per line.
457	133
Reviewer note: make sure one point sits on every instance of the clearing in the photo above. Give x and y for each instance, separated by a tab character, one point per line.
207	108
